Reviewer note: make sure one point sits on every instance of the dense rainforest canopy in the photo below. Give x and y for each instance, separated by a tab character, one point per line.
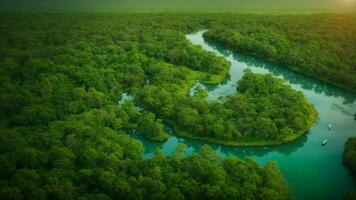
321	46
64	135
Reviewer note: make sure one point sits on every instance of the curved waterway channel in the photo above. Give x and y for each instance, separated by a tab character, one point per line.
312	171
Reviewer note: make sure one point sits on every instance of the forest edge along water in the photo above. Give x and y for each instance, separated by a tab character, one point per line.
311	170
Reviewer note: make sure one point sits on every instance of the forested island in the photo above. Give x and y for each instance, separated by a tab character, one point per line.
321	46
264	111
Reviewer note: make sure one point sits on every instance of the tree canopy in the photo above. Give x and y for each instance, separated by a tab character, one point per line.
63	134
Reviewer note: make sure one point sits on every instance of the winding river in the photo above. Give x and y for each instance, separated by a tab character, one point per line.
311	170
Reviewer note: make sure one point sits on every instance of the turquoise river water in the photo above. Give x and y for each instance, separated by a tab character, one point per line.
311	170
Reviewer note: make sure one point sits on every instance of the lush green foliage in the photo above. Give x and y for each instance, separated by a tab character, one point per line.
63	134
50	73
151	128
73	160
264	111
322	46
349	159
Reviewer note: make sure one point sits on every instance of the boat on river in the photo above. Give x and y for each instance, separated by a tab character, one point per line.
324	142
329	126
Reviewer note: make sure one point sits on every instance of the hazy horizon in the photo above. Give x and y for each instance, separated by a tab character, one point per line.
181	5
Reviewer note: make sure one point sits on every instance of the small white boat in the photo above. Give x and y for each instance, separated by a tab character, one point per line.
329	126
324	142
